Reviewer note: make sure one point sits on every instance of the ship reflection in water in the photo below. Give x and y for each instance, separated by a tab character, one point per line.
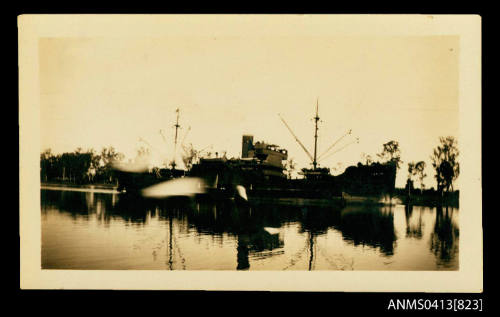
102	231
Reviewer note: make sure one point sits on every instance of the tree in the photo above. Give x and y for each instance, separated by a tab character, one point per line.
445	162
96	158
420	173
418	170
75	165
409	181
78	166
109	155
45	164
411	170
391	153
46	154
106	159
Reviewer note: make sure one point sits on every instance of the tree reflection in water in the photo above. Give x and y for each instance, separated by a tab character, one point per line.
413	230
444	238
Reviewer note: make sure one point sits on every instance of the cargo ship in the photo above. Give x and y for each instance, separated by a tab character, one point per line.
259	175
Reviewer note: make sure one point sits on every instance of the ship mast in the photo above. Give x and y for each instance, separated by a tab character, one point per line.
314	158
316	119
177	126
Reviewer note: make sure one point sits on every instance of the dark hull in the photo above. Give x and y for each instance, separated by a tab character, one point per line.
133	183
376	180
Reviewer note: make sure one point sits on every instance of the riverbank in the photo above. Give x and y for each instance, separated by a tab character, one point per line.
68	184
427	200
105	188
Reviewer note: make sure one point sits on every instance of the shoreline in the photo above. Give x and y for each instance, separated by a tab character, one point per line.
101	188
349	200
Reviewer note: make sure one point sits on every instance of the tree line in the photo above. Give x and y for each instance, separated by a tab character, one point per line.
444	160
91	166
80	167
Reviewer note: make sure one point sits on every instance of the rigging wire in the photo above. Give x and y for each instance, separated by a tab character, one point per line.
149	144
334	143
296	138
185	135
340	149
163	136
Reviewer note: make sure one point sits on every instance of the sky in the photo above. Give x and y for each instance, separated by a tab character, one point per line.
114	91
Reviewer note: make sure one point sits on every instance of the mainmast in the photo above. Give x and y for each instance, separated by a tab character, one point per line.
316	119
314	158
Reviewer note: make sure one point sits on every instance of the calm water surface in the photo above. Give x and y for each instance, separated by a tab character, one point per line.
101	231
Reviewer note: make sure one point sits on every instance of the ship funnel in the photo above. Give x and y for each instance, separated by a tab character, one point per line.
246	145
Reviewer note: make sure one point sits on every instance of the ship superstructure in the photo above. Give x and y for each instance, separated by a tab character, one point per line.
268	158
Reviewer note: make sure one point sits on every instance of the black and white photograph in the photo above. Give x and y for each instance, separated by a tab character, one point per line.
236	152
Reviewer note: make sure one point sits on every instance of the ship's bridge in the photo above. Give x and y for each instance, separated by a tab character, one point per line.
269	153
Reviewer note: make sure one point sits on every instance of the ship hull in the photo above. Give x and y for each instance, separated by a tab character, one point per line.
374	181
134	183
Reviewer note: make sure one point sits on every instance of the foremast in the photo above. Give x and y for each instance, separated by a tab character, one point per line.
316	119
177	126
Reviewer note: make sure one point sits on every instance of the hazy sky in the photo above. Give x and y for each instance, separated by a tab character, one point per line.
98	92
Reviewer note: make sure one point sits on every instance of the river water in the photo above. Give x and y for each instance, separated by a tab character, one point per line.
109	231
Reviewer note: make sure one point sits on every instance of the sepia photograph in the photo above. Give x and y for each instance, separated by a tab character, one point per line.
260	152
